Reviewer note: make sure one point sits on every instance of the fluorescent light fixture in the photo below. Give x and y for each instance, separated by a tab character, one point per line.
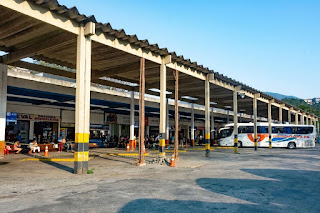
228	107
189	98
119	81
213	103
158	91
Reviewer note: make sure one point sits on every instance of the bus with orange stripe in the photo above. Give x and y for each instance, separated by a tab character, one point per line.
283	135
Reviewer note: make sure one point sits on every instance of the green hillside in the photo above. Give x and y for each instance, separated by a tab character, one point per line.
313	109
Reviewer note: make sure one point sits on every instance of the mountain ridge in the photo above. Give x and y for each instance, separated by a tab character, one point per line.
281	96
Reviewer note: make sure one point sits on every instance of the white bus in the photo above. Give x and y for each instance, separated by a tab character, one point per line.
283	135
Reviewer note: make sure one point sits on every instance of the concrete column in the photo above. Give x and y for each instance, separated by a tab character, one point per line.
207	116
148	131
255	114
111	126
192	125
3	106
228	114
296	118
82	107
132	139
188	137
163	110
269	123
307	120
318	126
289	115
302	119
280	114
31	131
167	124
212	126
235	120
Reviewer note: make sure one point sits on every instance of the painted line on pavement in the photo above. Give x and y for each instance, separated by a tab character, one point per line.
52	159
125	154
224	147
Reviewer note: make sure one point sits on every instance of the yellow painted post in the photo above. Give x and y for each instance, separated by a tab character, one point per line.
82	108
132	122
3	106
207	116
163	110
269	122
192	125
235	119
255	114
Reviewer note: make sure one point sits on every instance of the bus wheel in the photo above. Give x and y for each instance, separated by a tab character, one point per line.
291	145
239	144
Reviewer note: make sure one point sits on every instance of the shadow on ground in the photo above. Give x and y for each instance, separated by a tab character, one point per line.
267	190
287	191
59	166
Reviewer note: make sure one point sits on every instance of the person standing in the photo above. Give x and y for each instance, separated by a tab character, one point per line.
60	143
19	137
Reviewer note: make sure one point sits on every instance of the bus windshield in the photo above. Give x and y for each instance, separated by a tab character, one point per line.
225	132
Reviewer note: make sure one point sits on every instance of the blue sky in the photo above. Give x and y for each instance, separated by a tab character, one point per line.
271	45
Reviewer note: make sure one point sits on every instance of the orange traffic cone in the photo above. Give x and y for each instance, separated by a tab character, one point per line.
144	150
128	147
172	163
46	152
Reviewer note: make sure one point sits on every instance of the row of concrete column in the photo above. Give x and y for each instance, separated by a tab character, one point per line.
82	106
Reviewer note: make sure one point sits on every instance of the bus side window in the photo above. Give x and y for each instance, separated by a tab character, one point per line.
262	129
309	130
294	130
249	129
304	130
287	130
277	129
274	130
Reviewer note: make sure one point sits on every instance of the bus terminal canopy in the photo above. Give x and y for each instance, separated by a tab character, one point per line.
47	31
93	52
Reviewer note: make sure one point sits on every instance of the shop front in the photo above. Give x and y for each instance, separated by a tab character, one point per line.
17	129
67	131
28	126
46	128
153	124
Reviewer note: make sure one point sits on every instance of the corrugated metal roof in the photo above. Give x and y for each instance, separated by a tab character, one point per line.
74	14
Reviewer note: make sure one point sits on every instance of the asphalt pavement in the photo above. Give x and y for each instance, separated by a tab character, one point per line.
277	180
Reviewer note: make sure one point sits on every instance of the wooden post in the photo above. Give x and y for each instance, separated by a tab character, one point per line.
141	112
176	114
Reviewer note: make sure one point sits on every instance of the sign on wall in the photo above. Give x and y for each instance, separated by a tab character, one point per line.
111	118
43	118
12	117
